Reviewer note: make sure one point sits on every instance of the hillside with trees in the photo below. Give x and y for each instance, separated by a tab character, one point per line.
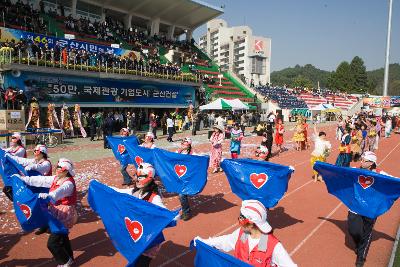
348	77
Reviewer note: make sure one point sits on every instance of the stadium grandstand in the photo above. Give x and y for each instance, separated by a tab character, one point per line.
89	44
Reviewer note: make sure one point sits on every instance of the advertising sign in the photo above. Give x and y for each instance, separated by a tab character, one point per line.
75	89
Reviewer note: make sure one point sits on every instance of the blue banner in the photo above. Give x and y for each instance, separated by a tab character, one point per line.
8	34
76	89
252	179
364	192
134	225
209	256
32	212
180	173
118	147
140	155
9	167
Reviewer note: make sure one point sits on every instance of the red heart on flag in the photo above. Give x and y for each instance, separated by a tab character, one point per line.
121	149
365	182
138	160
258	179
134	228
26	210
180	170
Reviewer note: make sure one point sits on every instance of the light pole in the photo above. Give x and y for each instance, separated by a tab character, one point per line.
386	78
220	79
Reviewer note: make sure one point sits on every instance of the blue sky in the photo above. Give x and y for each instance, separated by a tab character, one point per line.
319	32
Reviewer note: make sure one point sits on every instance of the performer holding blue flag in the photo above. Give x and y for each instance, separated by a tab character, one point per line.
253	242
118	145
39	165
253	179
148	141
367	195
16	149
146	189
63	198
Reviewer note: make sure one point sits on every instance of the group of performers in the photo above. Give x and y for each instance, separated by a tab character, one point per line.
253	242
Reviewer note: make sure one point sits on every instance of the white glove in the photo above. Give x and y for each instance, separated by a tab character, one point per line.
291	167
28	168
43	195
197	238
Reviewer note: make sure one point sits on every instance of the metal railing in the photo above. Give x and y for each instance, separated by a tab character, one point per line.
9	56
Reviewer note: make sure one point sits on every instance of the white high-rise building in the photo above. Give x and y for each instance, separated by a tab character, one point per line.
237	50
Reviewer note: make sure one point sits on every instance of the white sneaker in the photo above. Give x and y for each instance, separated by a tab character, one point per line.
69	263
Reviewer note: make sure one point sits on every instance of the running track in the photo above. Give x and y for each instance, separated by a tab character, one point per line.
310	223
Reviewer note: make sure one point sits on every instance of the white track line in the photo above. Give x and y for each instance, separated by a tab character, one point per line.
315	230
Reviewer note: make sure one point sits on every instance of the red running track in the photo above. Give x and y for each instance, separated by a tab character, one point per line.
310	223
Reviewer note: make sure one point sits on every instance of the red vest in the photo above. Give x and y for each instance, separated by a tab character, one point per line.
261	255
70	200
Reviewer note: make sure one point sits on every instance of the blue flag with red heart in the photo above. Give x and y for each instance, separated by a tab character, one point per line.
32	212
118	146
252	179
9	167
140	154
364	192
209	256
134	225
181	173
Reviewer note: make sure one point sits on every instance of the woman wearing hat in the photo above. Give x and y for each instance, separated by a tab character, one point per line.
39	163
16	148
145	189
186	148
253	242
216	140
63	198
148	141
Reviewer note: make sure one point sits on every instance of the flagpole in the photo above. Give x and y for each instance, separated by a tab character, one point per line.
386	78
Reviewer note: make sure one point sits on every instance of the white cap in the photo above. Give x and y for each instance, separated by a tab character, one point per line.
255	211
370	156
41	148
67	165
17	136
150	134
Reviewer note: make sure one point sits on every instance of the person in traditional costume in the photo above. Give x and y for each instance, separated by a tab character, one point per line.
344	157
298	135
322	149
216	140
236	141
279	135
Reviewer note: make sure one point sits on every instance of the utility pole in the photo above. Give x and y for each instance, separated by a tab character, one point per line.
386	78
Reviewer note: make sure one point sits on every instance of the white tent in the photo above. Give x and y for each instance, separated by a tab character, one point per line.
236	104
225	104
324	107
218	104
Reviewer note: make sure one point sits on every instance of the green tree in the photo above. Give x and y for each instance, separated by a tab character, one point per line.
359	75
301	81
341	79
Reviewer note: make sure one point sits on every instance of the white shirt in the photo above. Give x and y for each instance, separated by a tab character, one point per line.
65	190
320	146
170	123
43	166
19	151
220	121
227	243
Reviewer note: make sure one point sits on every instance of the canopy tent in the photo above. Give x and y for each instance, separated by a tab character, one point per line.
325	108
236	104
224	104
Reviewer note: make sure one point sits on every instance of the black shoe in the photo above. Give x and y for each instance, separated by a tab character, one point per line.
42	231
185	217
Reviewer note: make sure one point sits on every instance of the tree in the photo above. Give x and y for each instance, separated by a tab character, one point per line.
301	81
341	79
359	75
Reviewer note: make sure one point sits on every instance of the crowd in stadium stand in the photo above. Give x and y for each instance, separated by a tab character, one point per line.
281	95
21	16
